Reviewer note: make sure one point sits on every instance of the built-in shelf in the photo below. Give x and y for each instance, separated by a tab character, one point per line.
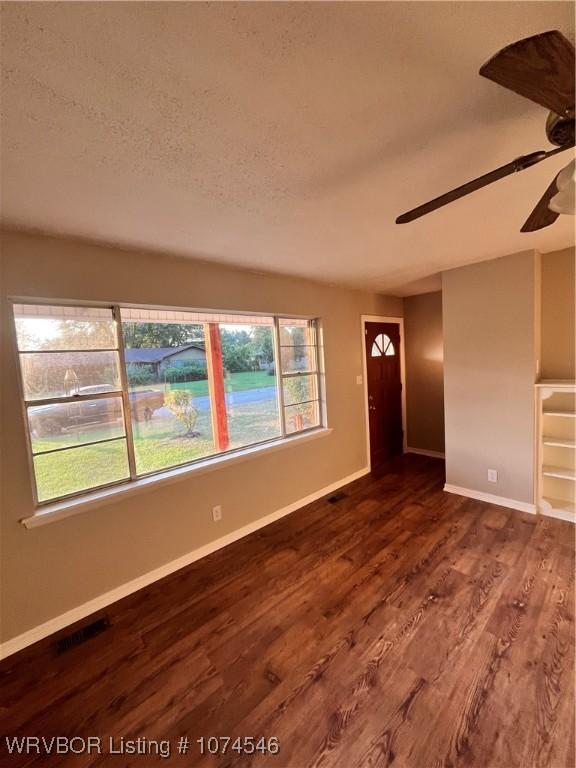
561	472
555	470
559	442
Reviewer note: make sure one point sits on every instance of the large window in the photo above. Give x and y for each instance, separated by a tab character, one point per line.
112	394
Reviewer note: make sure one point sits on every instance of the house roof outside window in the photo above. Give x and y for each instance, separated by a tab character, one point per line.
158	354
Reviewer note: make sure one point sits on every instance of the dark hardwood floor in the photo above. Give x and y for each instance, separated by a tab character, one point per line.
401	626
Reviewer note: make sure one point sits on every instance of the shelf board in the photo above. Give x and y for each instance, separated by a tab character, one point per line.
562	472
559	442
568	383
565	414
561	508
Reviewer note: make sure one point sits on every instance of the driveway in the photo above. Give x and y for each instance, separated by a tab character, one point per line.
243	397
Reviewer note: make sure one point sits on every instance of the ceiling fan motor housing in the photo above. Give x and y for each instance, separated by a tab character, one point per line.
560	129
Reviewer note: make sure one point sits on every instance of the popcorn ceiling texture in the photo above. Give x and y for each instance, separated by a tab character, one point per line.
275	136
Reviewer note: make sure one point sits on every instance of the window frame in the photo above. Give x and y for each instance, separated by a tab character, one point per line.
383	346
124	393
316	373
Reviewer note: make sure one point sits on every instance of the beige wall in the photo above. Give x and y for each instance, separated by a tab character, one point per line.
424	371
54	568
489	374
558	315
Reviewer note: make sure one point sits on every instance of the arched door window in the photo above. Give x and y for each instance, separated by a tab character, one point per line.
382	346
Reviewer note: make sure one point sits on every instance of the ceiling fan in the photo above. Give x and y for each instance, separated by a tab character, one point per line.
541	68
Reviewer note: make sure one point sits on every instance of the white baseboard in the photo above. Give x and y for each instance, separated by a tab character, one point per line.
501	501
423	452
96	604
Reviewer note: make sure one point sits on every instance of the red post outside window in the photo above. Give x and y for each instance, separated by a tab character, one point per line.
216	386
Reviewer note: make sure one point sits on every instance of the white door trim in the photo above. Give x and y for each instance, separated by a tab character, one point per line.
399	321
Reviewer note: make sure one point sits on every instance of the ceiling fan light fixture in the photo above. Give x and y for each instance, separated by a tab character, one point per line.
564	200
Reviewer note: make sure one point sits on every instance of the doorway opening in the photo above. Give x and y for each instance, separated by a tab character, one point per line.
384	387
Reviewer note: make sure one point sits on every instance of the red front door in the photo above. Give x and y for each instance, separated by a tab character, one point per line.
384	390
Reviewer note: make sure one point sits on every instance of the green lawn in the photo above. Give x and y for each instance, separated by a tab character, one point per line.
235	382
64	472
159	443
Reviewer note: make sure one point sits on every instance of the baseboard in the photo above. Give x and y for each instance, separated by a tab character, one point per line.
501	501
102	601
423	452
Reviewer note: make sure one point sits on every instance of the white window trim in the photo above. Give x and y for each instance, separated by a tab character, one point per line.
59	510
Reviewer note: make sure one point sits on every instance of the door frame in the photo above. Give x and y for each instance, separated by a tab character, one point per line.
399	321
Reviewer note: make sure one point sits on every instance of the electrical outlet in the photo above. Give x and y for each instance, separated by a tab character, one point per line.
492	476
217	513
358	379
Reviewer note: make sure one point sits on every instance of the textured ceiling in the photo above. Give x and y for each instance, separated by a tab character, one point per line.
278	136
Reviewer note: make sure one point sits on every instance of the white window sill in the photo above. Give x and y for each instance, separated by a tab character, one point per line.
61	509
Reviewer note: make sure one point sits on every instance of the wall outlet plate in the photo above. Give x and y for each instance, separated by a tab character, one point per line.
492	476
217	513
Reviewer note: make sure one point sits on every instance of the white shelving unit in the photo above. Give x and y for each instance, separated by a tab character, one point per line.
556	449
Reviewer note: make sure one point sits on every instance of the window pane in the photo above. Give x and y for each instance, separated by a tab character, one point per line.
299	417
252	409
80	469
61	374
253	413
382	345
297	332
54	328
299	389
169	397
298	358
171	424
67	424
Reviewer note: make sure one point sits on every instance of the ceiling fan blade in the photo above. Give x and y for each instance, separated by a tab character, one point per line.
520	164
542	216
455	194
540	68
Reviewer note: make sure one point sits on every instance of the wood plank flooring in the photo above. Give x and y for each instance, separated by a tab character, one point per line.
401	626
